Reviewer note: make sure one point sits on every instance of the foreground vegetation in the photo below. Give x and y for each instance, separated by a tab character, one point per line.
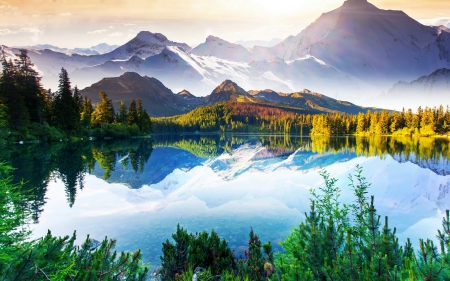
28	112
54	258
334	242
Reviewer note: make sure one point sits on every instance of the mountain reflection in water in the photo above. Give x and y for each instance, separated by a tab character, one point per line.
137	190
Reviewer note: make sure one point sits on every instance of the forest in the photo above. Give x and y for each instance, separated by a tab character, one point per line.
28	112
252	118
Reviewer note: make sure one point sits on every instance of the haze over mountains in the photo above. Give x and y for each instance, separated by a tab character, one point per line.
159	101
355	52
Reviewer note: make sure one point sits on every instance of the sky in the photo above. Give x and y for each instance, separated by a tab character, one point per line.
85	23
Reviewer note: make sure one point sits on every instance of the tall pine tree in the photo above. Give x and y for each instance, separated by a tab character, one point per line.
65	106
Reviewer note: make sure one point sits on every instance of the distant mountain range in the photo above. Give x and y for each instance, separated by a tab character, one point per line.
354	52
99	49
263	43
159	101
432	87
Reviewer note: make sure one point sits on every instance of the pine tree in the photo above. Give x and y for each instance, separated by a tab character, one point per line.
104	112
123	113
133	117
17	112
86	113
29	87
65	107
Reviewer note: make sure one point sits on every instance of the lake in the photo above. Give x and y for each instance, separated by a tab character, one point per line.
138	190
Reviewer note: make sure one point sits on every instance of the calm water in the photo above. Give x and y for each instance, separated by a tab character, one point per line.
138	190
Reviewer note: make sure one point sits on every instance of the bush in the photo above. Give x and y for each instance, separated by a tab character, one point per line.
348	242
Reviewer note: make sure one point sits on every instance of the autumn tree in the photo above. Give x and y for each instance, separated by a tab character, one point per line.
104	112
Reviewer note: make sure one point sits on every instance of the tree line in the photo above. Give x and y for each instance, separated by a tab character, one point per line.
244	117
425	122
29	111
235	117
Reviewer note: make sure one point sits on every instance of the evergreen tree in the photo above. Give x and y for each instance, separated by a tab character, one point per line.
18	116
29	87
123	113
65	107
133	117
104	112
86	113
144	121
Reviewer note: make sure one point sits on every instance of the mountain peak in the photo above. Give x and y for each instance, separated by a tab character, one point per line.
213	38
186	94
147	35
230	87
358	5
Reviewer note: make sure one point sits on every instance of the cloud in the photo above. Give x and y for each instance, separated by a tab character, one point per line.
6	9
97	31
128	24
65	14
5	31
33	30
115	34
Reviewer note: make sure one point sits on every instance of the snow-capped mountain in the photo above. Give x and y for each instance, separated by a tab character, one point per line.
99	49
222	49
437	22
354	53
375	45
264	43
424	91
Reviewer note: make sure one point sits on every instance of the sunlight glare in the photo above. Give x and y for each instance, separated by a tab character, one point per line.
279	7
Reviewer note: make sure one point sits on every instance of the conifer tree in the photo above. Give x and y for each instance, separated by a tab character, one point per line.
133	117
29	87
104	112
123	113
65	107
18	116
86	113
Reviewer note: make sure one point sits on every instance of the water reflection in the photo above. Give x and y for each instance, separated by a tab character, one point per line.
137	190
138	162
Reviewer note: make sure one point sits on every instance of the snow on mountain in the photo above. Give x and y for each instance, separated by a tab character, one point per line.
263	43
436	22
99	49
428	90
375	45
421	194
354	52
49	62
144	45
222	49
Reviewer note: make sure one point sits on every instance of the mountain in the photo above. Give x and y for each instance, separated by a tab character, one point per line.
144	45
307	99
95	67
185	94
222	49
99	49
228	91
159	101
437	22
374	45
354	52
263	43
156	98
424	91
